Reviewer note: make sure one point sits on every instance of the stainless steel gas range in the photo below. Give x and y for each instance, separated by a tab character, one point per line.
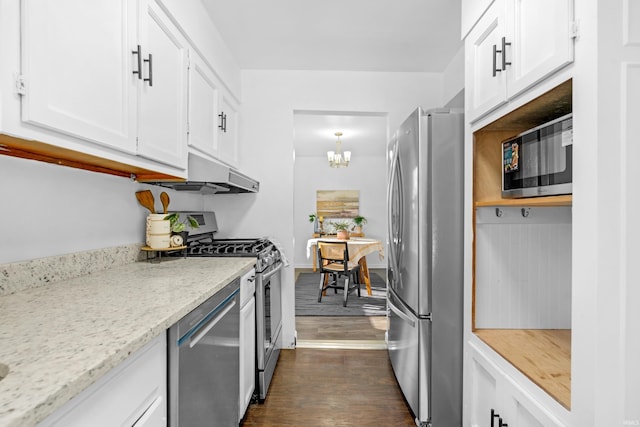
201	243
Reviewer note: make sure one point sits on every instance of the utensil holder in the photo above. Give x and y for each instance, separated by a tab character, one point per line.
158	231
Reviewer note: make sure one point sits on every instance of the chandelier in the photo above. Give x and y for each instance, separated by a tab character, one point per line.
338	158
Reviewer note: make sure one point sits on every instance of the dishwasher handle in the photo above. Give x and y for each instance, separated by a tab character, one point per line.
196	337
207	322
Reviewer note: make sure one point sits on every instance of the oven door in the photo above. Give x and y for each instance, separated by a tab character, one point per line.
268	325
539	162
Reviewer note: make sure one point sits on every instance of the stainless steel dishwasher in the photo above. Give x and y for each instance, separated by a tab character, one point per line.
204	363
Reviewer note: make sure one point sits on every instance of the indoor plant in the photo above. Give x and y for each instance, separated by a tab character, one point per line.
358	222
314	219
178	225
342	229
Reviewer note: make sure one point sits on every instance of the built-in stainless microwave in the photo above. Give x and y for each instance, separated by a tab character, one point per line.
538	162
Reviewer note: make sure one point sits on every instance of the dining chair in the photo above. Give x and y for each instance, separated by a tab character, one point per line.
333	263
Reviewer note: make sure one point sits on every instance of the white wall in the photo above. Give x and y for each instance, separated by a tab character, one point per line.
266	134
454	78
366	174
51	210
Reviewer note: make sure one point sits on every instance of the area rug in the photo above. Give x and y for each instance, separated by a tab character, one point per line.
331	305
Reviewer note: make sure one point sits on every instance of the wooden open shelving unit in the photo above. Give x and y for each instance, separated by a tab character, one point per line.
542	355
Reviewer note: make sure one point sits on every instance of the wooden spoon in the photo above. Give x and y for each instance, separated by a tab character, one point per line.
164	198
146	199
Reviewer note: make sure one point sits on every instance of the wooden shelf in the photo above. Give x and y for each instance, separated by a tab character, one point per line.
543	355
564	200
43	152
487	172
172	248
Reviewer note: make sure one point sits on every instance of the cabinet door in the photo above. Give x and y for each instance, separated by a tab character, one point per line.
540	33
133	393
483	391
247	354
228	131
155	415
203	107
523	411
162	127
485	85
77	68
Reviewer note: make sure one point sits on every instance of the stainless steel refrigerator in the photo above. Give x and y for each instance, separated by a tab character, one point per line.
424	264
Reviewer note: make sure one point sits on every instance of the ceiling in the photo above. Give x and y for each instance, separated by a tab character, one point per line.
362	134
344	35
339	35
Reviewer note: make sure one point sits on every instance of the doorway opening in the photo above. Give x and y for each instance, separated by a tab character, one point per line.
365	134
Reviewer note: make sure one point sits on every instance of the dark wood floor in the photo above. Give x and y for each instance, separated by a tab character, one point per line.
335	328
333	386
328	387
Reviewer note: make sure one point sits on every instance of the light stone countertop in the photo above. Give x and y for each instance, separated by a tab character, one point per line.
59	339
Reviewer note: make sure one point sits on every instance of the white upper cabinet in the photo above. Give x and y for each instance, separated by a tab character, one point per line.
471	11
213	114
541	34
113	79
162	133
204	95
228	126
109	72
76	69
516	44
486	87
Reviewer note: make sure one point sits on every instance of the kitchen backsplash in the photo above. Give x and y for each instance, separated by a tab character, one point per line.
18	276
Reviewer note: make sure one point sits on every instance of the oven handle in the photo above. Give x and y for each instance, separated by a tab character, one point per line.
267	276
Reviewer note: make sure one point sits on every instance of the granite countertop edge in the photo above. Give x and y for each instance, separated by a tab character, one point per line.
58	340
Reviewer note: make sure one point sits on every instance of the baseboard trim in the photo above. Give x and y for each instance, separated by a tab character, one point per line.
343	344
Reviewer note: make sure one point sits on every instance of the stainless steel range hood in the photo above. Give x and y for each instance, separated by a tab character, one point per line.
210	177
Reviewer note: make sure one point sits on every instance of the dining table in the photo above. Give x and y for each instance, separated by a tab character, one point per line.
359	248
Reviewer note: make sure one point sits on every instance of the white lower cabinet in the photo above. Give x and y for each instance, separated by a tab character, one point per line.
495	399
247	341
132	394
247	355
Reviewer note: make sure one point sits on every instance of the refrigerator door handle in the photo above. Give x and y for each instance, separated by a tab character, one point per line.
401	315
390	224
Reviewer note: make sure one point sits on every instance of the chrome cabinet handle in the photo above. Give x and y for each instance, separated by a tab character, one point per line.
138	53
495	61
223	122
504	53
493	416
150	62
